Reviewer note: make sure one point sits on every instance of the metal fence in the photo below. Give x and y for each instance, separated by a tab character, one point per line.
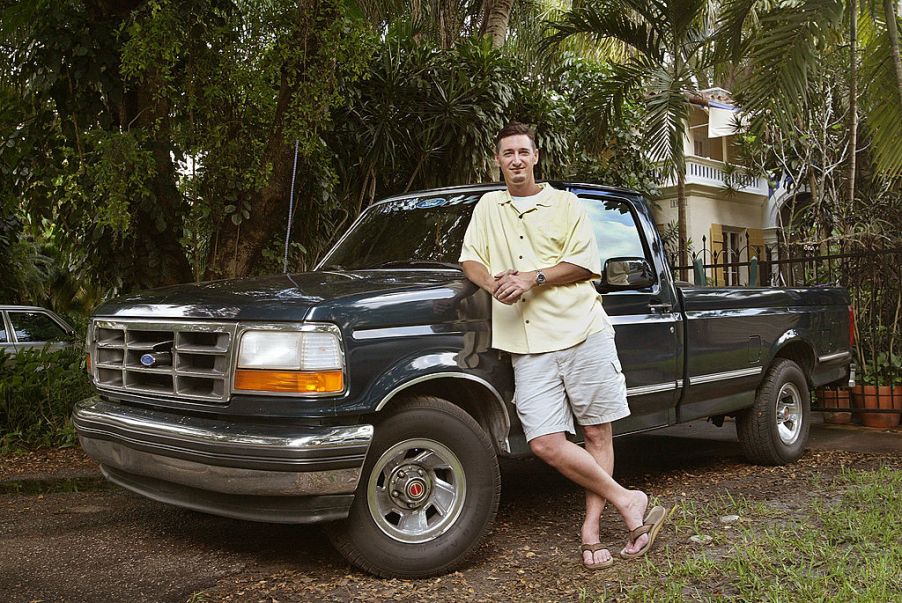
871	272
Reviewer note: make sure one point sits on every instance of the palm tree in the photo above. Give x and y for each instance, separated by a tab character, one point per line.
780	46
669	59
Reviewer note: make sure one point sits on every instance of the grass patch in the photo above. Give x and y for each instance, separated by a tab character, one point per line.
848	549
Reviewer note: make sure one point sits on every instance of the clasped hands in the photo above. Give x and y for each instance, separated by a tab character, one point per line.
510	285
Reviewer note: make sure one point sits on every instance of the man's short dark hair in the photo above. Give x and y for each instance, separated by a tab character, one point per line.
515	128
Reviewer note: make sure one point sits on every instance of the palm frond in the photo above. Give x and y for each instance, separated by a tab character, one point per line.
881	101
783	51
605	22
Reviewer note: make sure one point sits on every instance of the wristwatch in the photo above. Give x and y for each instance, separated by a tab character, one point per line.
540	277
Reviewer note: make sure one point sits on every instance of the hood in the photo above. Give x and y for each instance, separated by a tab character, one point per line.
287	297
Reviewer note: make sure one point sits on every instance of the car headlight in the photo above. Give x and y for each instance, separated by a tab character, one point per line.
305	362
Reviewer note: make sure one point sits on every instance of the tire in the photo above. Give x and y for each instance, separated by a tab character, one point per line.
774	431
428	493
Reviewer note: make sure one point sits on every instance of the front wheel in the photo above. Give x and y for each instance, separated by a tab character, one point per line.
774	431
428	493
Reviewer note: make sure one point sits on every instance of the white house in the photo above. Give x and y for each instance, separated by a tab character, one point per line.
727	211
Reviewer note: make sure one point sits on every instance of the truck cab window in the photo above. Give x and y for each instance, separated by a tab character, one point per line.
615	228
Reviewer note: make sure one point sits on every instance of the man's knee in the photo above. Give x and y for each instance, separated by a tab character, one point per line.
599	435
548	447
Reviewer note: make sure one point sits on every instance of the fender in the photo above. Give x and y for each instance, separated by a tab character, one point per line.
415	370
792	337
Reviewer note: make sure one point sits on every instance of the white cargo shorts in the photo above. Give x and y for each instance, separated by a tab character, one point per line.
585	381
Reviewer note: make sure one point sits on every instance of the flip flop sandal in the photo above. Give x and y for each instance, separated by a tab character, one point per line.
651	526
593	548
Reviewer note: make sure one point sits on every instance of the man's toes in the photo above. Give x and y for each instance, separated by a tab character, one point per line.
637	545
602	556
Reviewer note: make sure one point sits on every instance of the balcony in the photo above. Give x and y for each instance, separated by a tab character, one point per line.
702	171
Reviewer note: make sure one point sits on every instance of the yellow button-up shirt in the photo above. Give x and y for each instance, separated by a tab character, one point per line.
557	229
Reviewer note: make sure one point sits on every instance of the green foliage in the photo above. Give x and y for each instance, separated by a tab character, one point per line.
38	390
781	47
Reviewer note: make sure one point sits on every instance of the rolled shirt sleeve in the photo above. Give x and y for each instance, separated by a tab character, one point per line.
476	244
580	247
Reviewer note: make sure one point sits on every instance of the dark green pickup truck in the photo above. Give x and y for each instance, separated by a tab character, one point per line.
366	393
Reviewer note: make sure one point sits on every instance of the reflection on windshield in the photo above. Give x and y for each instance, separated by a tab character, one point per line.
414	232
428	232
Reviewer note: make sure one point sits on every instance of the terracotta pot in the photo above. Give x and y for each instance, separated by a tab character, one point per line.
834	398
874	397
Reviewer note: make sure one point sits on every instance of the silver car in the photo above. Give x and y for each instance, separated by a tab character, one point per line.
31	327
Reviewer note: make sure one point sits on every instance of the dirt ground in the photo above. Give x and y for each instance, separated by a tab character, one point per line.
65	535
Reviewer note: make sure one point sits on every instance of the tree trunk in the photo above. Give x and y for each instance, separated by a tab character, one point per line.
853	97
892	29
498	21
240	244
681	222
156	255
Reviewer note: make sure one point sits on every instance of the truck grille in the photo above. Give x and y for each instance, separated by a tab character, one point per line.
193	358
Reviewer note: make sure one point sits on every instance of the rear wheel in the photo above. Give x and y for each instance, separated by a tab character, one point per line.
774	431
427	495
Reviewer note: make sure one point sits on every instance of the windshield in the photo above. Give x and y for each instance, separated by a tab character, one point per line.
422	232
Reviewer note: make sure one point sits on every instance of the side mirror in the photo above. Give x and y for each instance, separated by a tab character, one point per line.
623	274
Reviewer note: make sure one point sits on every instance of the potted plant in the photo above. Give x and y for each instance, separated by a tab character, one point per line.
835	397
880	389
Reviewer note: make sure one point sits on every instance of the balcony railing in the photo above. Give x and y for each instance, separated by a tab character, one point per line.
716	174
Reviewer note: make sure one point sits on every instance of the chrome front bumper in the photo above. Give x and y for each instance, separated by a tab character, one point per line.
228	468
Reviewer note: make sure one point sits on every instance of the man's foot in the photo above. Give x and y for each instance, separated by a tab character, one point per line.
595	556
649	529
634	516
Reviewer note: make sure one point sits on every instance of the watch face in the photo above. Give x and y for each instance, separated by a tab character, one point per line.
540	278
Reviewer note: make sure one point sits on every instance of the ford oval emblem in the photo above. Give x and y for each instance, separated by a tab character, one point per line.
148	360
430	203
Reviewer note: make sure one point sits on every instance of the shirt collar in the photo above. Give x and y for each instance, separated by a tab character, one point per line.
506	199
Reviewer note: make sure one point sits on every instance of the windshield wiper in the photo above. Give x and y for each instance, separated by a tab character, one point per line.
418	263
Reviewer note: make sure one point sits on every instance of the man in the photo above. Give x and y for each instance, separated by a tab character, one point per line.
532	248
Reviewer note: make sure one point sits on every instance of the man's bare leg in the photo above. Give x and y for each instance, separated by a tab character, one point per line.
577	465
600	444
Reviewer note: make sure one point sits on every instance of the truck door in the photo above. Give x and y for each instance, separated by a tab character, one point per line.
646	321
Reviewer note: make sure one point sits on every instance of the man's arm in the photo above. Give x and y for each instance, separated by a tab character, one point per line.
512	286
479	275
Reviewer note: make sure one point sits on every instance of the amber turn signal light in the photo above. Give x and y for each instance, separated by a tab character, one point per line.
88	363
295	382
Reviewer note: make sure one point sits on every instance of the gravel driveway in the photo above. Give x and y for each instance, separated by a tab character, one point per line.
65	535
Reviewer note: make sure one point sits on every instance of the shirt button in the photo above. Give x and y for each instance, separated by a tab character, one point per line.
520	217
523	299
521	257
527	322
521	236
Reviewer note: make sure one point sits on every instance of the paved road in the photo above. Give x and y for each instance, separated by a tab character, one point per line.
102	543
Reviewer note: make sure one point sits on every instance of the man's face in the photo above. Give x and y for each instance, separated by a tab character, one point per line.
516	157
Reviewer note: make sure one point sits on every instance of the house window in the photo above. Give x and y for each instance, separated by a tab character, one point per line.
702	147
732	249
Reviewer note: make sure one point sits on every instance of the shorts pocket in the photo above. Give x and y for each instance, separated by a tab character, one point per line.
616	363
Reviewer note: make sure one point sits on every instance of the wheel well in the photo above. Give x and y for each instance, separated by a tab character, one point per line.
802	354
473	398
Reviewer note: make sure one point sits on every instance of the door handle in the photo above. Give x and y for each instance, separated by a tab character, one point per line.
659	308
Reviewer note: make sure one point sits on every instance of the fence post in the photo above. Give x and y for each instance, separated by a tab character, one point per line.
699	267
753	272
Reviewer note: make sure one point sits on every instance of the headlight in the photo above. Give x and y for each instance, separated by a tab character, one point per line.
290	362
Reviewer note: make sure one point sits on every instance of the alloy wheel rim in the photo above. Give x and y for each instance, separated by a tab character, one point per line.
789	413
416	490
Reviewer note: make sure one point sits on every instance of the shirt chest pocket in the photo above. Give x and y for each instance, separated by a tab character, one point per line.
548	239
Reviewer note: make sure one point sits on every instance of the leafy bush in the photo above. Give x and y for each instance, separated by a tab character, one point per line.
38	390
